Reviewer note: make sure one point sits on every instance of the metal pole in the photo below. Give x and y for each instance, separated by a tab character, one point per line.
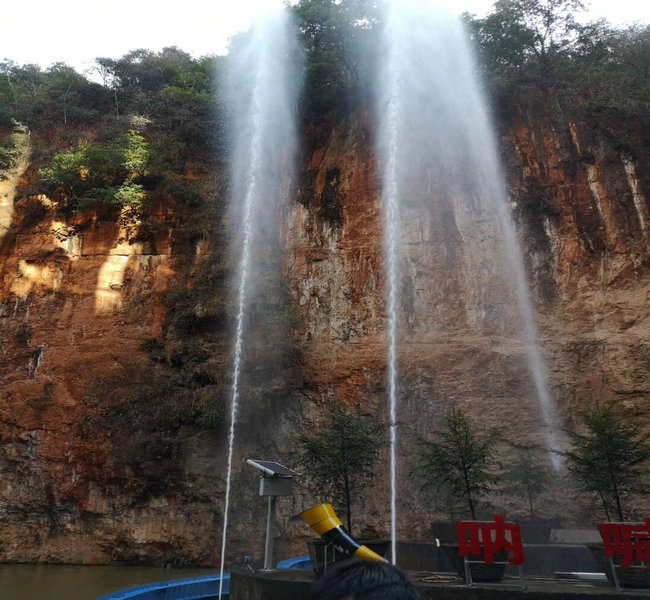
268	547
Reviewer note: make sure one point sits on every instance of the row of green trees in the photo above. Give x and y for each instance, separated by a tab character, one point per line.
122	139
175	101
608	460
521	44
527	44
126	137
174	91
59	94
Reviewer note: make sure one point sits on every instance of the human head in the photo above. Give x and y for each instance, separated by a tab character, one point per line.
363	580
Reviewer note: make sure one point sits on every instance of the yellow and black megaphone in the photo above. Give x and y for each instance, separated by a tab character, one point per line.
323	520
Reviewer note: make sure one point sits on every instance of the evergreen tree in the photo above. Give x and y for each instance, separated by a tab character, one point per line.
609	460
338	453
527	477
461	459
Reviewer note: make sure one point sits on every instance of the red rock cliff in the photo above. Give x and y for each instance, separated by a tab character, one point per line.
84	306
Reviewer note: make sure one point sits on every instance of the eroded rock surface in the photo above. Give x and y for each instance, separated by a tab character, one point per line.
83	307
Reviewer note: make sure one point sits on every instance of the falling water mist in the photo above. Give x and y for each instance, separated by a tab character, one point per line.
262	90
440	171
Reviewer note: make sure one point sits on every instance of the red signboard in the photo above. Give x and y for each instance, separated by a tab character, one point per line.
628	541
491	538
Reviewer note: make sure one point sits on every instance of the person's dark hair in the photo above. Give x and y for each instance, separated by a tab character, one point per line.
364	580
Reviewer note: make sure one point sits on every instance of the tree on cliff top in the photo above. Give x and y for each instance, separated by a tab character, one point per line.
338	453
338	39
528	38
53	96
528	44
609	460
460	459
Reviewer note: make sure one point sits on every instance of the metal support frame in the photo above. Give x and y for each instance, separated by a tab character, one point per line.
270	524
326	560
325	556
628	590
638	533
470	582
276	480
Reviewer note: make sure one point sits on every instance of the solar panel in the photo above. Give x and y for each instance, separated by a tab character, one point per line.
271	468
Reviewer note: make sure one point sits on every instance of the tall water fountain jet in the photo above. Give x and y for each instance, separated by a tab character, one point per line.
443	187
390	145
262	92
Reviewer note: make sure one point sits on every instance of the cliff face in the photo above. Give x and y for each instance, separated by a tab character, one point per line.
78	301
84	307
588	247
578	187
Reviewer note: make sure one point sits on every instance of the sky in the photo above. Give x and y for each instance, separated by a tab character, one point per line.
77	31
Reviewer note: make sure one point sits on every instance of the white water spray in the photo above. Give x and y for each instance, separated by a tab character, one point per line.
442	178
262	88
239	336
390	201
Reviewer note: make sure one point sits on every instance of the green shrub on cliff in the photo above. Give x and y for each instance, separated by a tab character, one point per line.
101	173
180	95
13	150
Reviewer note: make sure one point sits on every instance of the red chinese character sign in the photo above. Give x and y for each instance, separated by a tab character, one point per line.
628	541
491	538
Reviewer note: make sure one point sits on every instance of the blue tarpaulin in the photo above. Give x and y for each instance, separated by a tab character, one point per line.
197	588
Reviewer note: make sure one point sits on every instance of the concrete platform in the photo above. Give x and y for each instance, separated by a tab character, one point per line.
295	585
